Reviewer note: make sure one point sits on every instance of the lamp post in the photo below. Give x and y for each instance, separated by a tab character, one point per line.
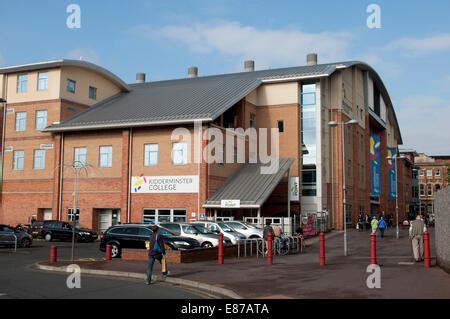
395	157
344	196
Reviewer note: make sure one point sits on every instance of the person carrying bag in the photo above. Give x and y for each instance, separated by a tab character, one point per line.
156	252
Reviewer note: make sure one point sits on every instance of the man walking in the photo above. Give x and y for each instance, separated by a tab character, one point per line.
382	226
416	230
374	224
156	252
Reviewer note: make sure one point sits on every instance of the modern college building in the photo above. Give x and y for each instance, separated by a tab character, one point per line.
132	168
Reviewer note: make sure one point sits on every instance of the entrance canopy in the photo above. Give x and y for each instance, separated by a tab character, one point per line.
249	186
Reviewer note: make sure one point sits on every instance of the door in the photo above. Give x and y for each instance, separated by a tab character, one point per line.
104	220
48	214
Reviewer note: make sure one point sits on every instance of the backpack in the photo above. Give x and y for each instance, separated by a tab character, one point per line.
157	250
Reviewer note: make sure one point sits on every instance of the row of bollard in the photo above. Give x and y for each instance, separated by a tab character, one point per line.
54	253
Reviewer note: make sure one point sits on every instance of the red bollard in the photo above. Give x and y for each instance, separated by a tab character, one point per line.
426	249
269	249
108	252
220	254
322	248
373	249
53	254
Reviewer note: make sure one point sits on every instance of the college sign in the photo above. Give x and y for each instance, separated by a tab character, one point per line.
294	192
164	184
392	153
375	165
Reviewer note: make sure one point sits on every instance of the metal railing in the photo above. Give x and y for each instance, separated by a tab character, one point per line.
258	246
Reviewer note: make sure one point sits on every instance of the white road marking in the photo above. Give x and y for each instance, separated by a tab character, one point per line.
1	294
406	263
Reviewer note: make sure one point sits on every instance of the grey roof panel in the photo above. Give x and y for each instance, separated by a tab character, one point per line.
250	186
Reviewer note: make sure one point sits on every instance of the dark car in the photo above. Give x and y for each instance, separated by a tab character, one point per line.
54	229
9	235
135	236
36	227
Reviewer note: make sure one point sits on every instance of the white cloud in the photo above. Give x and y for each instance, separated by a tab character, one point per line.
425	45
424	122
269	47
84	54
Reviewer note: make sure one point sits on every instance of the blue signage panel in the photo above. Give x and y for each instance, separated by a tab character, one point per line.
392	185
375	165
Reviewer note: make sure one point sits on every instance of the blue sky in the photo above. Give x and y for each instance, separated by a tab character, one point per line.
163	38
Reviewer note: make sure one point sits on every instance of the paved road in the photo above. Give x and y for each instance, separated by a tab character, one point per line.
19	280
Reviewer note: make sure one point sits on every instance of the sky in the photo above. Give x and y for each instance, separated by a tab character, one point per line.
410	51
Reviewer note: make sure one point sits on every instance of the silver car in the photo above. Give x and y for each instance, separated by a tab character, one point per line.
206	238
221	227
246	229
10	237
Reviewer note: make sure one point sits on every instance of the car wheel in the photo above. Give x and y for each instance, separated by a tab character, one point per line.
115	250
48	237
207	245
25	243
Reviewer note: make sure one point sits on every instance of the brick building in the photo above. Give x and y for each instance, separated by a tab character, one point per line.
137	142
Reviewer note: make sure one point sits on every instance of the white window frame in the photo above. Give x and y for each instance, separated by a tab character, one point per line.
16	161
21	123
20	89
43	80
179	147
148	151
74	86
42	157
105	150
429	173
70	214
421	172
172	214
76	155
41	121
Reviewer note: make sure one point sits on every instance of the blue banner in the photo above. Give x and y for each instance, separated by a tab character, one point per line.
375	165
392	185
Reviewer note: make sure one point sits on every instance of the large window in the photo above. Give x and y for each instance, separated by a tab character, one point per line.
71	216
71	86
150	154
39	159
308	138
41	120
18	161
21	121
150	216
79	156
179	153
42	84
105	156
22	83
92	93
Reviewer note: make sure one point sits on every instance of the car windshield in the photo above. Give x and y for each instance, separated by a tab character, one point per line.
224	227
188	229
251	226
236	226
201	229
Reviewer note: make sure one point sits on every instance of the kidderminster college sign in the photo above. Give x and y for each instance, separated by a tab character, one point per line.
164	184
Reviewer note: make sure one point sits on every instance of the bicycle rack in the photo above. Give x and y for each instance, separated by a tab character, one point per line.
293	243
250	241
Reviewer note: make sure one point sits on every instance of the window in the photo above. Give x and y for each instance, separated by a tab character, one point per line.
253	120
21	121
105	158
22	83
308	94
79	157
71	86
438	187
92	93
429	172
437	172
150	154
18	160
70	215
39	159
179	216
280	125
422	190
179	153
163	215
42	84
430	190
421	172
41	120
148	216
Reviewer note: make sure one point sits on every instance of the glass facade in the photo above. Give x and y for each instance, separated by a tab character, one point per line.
309	140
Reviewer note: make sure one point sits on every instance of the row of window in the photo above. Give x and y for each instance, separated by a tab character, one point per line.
38	160
429	189
40	122
252	123
437	172
42	84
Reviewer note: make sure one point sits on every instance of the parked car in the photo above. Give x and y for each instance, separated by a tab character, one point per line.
8	236
135	236
206	238
221	227
36	227
249	230
55	229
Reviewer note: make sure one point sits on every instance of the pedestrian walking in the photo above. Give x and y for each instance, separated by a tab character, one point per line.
382	226
268	229
416	229
156	252
361	222
374	224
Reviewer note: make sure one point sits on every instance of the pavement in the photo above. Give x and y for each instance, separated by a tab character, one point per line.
299	276
19	279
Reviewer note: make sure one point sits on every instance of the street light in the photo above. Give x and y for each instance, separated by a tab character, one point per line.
344	199
395	157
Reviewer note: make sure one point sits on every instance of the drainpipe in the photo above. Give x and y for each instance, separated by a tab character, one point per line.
129	175
5	87
61	171
199	160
